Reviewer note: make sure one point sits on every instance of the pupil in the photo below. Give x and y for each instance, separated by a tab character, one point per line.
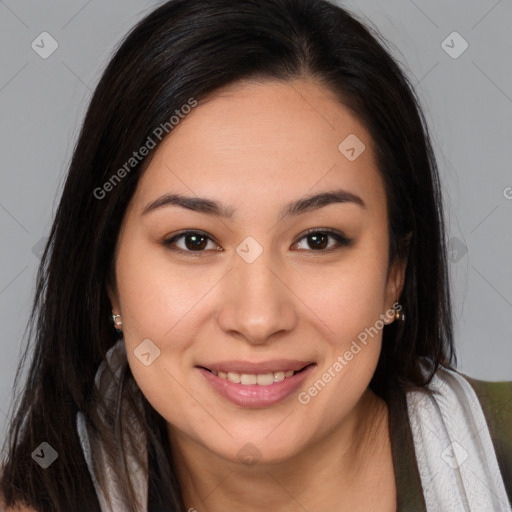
198	241
195	239
317	239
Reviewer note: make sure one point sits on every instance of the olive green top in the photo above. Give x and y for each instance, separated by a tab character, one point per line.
496	402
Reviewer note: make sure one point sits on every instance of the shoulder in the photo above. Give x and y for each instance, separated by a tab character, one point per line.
496	401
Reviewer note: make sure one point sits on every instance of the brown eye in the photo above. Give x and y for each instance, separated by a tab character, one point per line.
194	241
317	240
197	241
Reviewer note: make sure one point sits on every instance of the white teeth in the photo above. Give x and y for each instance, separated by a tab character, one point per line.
265	379
248	379
278	376
234	377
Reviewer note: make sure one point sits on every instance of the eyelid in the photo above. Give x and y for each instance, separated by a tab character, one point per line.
327	231
339	236
169	241
341	239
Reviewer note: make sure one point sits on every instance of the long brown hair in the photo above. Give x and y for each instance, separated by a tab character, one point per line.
188	49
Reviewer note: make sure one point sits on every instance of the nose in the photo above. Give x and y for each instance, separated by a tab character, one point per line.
257	305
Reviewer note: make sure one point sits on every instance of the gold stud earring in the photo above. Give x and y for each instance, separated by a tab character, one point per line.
117	322
399	314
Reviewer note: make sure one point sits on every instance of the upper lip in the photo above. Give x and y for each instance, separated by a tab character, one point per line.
274	365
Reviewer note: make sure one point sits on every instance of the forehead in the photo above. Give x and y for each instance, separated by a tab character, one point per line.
265	143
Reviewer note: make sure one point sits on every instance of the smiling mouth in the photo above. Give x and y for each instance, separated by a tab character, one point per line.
260	379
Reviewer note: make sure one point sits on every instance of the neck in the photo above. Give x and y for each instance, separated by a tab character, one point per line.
344	467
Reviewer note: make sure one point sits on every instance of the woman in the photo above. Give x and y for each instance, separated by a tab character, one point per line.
244	301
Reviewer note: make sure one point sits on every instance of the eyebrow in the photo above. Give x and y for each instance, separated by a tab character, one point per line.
210	207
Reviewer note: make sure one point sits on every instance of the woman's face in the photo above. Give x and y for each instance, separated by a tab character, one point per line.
251	292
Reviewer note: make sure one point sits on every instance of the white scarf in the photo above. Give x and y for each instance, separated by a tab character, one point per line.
454	451
456	460
92	447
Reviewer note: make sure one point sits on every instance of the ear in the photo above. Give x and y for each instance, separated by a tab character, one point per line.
112	295
396	280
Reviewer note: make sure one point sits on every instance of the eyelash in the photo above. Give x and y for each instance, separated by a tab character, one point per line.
342	240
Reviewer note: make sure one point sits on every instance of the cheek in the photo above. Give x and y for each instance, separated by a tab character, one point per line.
157	304
351	310
157	296
349	297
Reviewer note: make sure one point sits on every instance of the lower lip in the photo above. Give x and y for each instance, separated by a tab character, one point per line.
255	395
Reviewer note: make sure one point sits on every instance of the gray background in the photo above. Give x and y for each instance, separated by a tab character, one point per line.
467	102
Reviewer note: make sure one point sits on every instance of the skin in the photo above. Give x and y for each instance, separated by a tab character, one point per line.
256	147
